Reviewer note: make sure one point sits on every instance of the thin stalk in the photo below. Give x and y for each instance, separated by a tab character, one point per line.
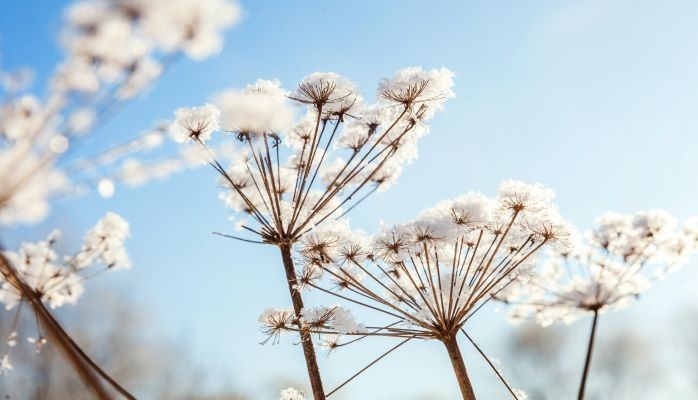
372	363
454	354
590	349
489	362
306	339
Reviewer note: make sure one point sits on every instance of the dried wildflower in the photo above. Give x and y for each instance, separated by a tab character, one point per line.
197	123
428	89
619	258
430	275
327	167
290	178
60	281
275	322
36	274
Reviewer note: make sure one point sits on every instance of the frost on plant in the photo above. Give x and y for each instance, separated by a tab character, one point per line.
429	276
433	273
59	280
617	260
113	51
291	174
609	267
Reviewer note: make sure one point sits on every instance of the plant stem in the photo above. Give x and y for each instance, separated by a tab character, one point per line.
54	332
590	350
454	354
306	339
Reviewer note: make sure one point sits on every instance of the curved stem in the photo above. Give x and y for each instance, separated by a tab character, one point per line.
114	384
58	337
454	354
590	350
306	339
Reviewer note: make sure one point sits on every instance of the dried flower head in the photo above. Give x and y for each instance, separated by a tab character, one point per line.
44	276
430	275
433	273
60	280
197	123
619	258
292	177
275	322
414	87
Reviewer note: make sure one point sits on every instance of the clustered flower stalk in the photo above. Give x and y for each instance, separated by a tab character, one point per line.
429	276
76	358
288	199
619	259
35	275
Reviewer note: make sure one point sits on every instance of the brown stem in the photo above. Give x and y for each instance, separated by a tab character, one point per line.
306	339
49	324
590	350
90	363
454	354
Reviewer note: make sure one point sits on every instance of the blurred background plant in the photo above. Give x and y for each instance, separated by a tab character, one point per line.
112	52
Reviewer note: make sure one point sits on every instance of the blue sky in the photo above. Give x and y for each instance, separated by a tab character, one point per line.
594	99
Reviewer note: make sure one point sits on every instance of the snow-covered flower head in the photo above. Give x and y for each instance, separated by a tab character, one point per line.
197	123
617	260
292	175
431	274
428	276
328	92
35	274
333	320
426	90
261	108
104	244
109	40
60	280
275	321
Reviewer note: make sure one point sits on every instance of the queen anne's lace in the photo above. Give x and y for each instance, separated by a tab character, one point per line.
617	260
60	280
431	274
291	176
